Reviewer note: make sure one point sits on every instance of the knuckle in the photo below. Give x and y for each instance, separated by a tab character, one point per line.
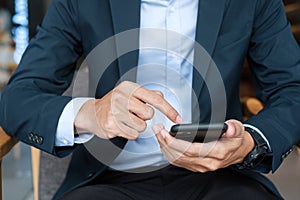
117	95
194	152
239	160
220	152
159	93
175	162
125	86
109	124
168	142
142	126
134	135
214	166
193	170
221	156
157	99
110	135
149	113
202	170
124	83
173	113
117	99
188	153
199	167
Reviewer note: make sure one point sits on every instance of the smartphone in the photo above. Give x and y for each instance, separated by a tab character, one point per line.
198	132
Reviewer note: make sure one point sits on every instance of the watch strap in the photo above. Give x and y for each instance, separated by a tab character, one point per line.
258	153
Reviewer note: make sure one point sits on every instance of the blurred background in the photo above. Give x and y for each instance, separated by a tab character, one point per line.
18	21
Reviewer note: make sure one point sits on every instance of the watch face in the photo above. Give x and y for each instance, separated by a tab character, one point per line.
260	154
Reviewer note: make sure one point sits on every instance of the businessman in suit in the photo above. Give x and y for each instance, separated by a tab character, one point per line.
33	110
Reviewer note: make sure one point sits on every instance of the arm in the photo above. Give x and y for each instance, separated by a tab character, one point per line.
274	59
46	71
31	104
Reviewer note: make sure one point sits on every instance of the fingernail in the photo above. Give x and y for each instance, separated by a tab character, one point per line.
163	133
178	119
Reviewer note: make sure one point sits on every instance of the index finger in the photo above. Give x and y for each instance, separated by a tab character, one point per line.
158	101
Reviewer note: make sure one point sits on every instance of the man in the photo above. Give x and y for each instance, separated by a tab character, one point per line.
34	111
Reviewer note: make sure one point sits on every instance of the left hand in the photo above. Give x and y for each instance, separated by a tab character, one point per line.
230	149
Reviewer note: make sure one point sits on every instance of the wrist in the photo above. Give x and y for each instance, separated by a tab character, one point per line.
249	143
82	121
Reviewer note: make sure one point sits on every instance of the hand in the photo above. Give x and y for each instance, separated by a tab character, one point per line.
230	149
122	112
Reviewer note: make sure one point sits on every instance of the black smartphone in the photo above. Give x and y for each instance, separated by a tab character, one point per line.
198	132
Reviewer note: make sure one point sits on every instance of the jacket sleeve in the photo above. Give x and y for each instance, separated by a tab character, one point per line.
31	104
274	57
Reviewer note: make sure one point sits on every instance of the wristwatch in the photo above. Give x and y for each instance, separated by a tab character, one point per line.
258	153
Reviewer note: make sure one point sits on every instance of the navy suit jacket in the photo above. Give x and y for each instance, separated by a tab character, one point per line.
229	30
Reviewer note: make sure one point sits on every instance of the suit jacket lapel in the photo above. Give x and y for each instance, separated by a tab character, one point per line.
210	16
126	17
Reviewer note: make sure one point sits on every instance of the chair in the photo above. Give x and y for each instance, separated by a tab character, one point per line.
6	144
292	8
42	163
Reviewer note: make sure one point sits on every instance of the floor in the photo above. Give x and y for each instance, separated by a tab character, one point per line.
16	174
287	177
17	177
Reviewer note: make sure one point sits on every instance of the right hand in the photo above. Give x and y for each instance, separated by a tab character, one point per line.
122	112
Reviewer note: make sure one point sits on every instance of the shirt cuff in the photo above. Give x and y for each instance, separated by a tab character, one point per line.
83	137
260	133
65	127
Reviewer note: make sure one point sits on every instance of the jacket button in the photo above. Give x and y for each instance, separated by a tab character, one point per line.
286	154
35	138
30	136
40	140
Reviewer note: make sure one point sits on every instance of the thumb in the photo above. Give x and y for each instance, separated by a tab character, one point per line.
235	129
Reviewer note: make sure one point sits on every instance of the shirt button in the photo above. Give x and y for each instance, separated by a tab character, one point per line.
65	141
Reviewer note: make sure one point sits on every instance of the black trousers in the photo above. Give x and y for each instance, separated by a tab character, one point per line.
172	183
